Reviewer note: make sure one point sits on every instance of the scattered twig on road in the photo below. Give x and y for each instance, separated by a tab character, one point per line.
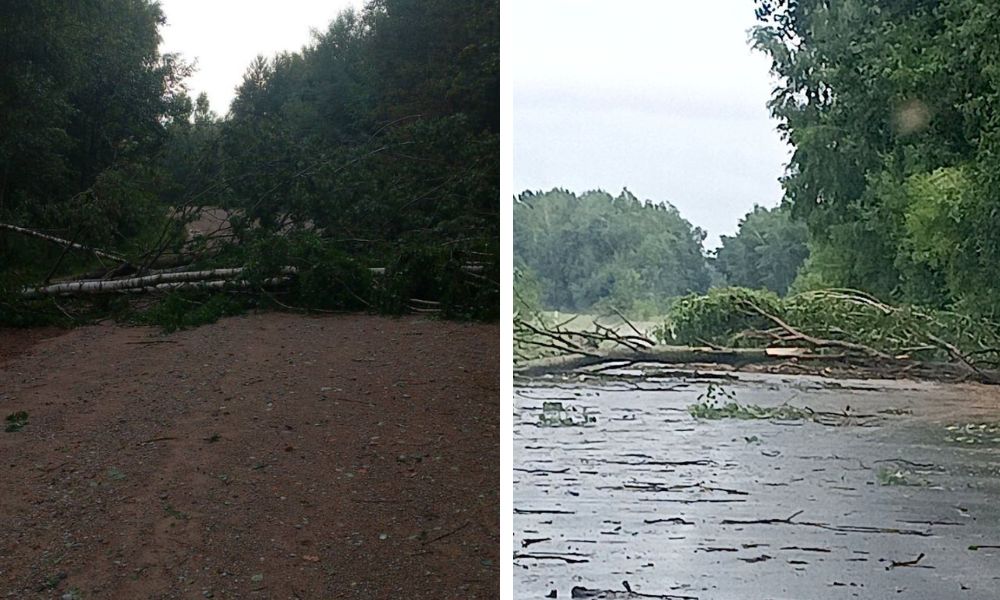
841	528
565	559
452	532
908	563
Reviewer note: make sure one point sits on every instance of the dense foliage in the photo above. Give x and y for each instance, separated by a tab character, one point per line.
596	250
892	108
386	128
375	145
85	101
766	252
739	317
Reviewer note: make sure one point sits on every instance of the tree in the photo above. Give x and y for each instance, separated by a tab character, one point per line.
376	144
892	110
766	252
378	130
85	100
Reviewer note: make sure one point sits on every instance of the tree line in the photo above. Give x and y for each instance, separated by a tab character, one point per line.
597	252
376	144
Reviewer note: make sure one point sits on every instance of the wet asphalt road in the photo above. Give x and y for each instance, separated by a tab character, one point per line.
898	499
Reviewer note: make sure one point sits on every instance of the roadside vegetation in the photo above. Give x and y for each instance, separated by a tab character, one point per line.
359	173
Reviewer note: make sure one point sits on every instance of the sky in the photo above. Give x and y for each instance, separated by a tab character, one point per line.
225	36
663	97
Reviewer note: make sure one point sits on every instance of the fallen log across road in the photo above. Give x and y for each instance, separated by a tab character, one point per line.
212	278
171	279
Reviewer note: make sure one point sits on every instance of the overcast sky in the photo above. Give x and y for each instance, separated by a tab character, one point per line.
225	35
665	98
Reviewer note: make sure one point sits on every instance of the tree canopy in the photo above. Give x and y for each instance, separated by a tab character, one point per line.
85	99
891	109
387	126
596	248
766	252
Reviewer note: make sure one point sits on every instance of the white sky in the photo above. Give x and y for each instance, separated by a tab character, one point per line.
225	36
661	96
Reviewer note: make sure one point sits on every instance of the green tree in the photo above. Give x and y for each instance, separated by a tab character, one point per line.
892	110
766	252
85	102
381	137
385	128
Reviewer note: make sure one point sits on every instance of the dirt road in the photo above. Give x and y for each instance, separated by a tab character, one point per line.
266	456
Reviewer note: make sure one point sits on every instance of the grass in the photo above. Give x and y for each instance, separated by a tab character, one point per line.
173	512
178	311
973	433
53	582
16	421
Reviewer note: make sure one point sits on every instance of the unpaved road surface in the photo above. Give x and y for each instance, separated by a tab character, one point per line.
897	499
265	456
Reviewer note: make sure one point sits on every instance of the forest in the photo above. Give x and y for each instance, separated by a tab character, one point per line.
890	108
358	173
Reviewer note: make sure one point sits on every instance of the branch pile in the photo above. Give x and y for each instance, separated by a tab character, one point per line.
535	337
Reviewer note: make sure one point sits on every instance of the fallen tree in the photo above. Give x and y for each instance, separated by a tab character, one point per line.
64	243
160	279
163	280
818	331
294	269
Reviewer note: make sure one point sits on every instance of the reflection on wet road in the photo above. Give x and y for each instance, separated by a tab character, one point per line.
902	502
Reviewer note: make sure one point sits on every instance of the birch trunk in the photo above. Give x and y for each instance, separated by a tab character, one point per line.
64	243
138	283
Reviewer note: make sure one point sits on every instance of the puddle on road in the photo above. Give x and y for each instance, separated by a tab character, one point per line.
642	492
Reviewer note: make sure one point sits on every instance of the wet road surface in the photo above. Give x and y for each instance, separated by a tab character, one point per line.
898	498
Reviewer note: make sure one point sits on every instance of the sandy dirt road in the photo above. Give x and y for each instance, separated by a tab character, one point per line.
265	456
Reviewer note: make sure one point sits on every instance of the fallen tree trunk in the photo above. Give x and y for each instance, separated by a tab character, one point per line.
792	349
102	286
65	243
468	268
99	282
753	359
160	280
734	357
219	284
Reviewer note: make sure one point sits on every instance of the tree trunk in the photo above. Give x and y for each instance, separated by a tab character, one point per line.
157	281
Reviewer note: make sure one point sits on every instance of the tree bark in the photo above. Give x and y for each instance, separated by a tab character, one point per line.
158	281
64	243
